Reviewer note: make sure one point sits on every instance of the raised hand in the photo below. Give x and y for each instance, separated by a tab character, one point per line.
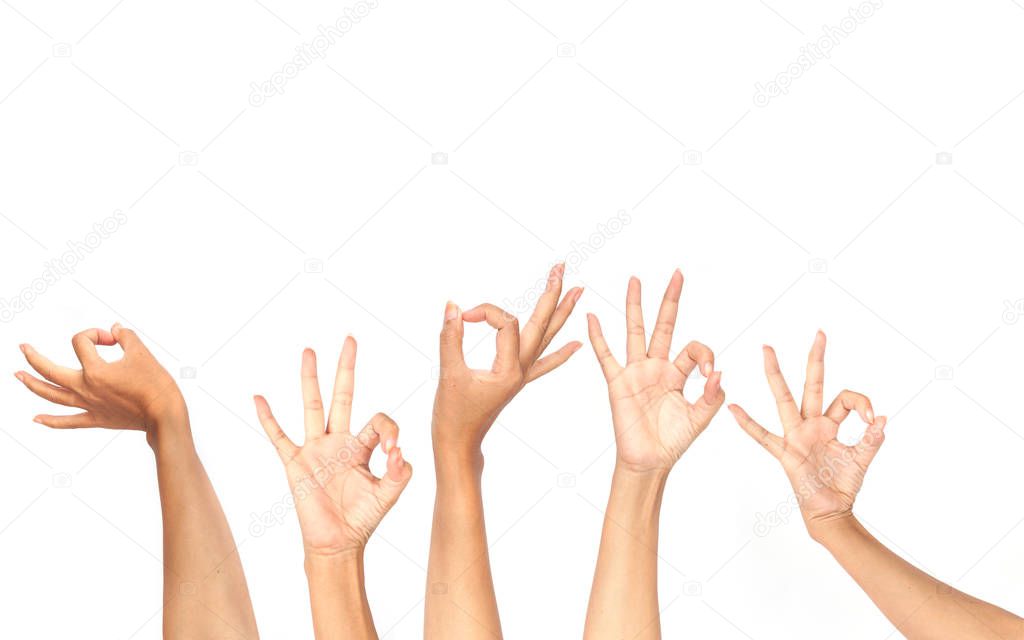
654	423
469	400
134	392
826	474
338	500
460	601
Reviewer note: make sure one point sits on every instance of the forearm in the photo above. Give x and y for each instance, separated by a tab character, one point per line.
624	596
918	605
337	595
205	593
460	600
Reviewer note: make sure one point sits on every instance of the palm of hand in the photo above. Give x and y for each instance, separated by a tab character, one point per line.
654	423
335	493
826	474
338	500
474	397
823	471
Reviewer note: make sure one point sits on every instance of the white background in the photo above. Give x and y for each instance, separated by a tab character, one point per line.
826	208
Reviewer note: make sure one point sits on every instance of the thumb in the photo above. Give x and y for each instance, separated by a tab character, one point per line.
397	477
869	444
127	338
451	337
708	404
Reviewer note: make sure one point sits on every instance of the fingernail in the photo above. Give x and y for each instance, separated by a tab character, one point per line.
579	292
707	369
451	311
38	420
17	375
23	347
871	415
389	444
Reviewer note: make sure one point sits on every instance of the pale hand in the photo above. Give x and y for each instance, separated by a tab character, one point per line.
338	500
654	423
826	474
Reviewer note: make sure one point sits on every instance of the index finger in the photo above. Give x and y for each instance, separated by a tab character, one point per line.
507	325
84	344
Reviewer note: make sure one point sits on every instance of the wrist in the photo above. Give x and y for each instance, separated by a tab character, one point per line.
627	473
829	530
333	563
170	430
634	502
458	455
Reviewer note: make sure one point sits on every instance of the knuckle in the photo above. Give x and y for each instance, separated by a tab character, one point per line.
699	348
515	377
